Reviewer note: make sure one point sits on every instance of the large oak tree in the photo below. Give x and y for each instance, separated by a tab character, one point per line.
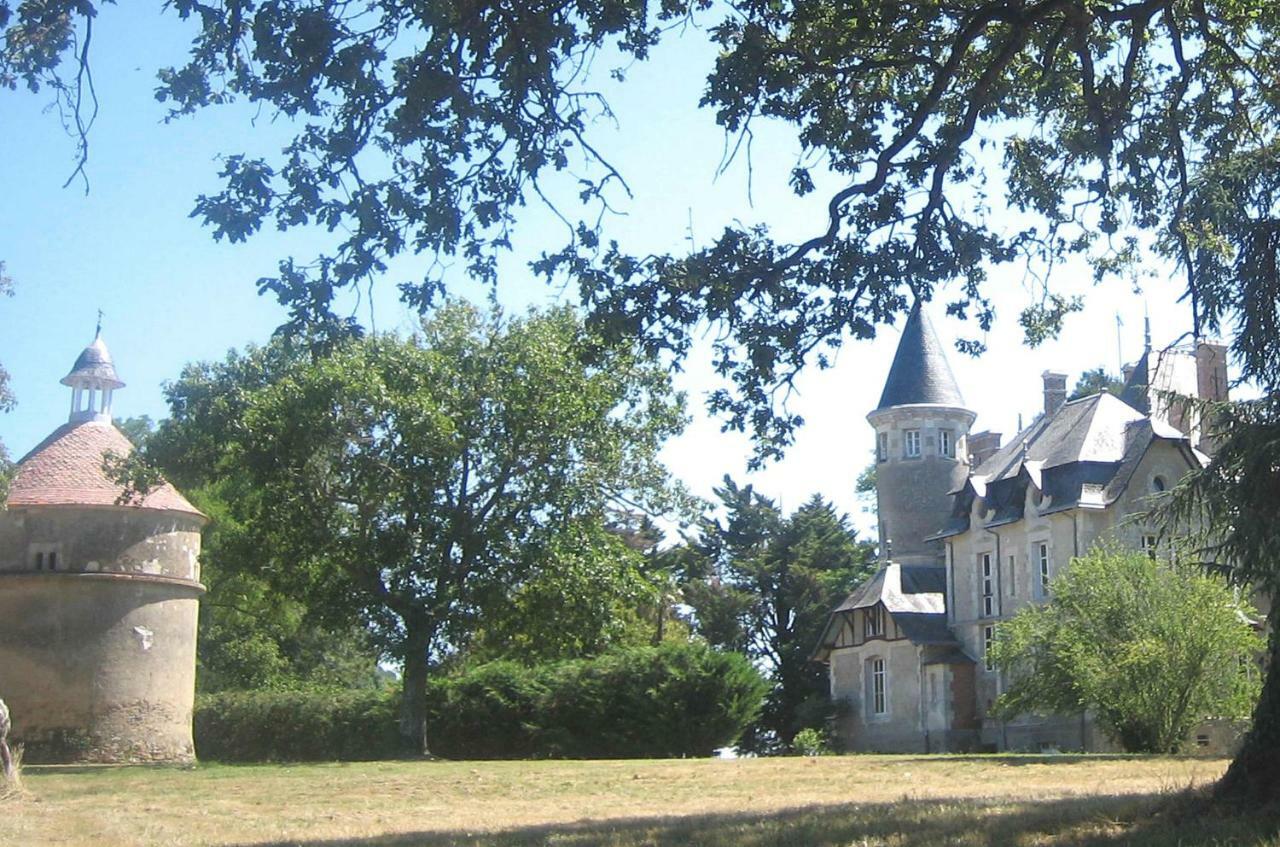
414	483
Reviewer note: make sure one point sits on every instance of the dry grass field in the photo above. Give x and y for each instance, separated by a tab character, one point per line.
861	801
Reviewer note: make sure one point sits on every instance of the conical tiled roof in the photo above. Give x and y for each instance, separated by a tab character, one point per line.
920	372
66	470
94	365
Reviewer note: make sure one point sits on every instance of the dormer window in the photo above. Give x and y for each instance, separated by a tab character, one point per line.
873	622
911	443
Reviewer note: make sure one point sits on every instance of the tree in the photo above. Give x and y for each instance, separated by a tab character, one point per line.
412	483
1231	507
1095	381
586	596
7	402
1091	121
1149	648
951	137
772	582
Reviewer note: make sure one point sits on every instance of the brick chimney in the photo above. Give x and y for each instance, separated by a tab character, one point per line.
982	446
1055	391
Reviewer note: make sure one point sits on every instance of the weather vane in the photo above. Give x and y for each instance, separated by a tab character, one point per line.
98	331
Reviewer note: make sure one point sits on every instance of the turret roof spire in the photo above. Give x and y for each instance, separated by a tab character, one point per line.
920	373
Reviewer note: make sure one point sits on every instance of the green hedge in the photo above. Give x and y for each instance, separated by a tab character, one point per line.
674	700
292	726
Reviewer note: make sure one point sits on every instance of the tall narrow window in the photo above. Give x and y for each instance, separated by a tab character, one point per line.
873	619
882	447
988	641
988	587
1012	578
911	442
946	445
40	561
1043	552
1149	545
879	706
53	560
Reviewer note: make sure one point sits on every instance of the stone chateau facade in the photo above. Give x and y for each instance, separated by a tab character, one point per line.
972	530
98	598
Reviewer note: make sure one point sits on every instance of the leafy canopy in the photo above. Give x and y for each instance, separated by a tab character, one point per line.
1150	648
954	136
411	484
769	584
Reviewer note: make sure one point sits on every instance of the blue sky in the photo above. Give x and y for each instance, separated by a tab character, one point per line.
172	295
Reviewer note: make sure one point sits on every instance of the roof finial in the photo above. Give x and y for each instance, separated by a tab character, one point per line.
97	333
1146	324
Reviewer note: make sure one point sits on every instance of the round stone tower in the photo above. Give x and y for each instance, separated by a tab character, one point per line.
921	428
98	595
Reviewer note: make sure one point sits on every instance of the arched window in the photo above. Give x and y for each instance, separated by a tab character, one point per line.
1158	484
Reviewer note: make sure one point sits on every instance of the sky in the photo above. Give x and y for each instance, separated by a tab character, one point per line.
171	295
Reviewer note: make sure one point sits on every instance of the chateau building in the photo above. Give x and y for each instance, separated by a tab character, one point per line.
972	531
98	595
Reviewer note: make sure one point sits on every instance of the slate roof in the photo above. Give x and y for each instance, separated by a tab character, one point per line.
1084	455
914	595
94	363
1135	391
66	470
920	373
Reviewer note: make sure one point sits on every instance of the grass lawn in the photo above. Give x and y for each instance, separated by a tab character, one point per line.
904	801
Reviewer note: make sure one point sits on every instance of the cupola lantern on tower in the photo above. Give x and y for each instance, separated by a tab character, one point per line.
921	425
92	380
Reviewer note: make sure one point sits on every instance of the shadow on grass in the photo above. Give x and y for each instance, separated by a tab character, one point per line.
1144	820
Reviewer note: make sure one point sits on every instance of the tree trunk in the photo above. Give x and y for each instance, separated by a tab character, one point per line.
1254	775
413	704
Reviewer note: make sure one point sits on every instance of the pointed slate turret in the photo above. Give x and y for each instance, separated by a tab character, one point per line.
921	429
920	373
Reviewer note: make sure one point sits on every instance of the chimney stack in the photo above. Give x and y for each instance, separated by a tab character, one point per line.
982	446
1055	391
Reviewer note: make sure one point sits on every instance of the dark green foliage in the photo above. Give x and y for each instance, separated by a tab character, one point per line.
408	486
1234	504
672	700
668	701
1091	382
296	726
769	583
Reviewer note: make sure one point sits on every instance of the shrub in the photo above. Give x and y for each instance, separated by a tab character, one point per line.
667	701
809	742
672	700
256	726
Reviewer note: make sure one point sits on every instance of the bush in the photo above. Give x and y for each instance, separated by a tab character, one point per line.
285	726
673	700
809	742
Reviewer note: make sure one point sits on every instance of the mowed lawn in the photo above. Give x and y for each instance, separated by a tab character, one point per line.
847	800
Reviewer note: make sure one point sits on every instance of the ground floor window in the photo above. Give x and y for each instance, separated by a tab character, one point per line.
877	692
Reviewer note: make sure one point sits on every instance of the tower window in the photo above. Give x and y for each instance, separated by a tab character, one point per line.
988	641
1149	544
946	444
1012	579
882	447
1043	550
988	587
44	557
1157	484
911	442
